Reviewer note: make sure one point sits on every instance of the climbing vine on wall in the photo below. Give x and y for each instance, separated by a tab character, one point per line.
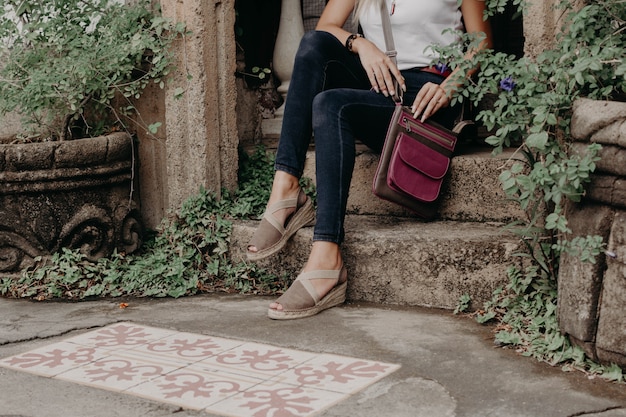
531	111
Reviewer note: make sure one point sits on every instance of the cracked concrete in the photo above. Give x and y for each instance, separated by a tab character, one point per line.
607	412
450	367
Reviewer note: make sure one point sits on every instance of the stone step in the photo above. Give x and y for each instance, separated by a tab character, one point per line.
405	261
472	191
395	258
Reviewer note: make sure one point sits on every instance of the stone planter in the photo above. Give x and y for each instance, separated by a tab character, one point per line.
592	297
71	194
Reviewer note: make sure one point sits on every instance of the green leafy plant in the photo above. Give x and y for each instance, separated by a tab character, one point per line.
464	304
70	65
257	72
531	109
188	254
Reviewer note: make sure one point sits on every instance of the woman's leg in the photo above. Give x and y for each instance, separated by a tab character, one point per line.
340	116
321	62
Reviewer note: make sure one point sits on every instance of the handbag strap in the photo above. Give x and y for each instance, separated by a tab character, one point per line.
390	46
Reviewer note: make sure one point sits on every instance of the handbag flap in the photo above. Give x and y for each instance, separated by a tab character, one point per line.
421	158
416	169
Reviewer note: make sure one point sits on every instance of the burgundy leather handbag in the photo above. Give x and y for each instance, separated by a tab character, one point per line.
414	162
415	157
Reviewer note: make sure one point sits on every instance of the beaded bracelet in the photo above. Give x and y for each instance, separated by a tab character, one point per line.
351	39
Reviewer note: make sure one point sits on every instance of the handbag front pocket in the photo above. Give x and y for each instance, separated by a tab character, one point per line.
416	169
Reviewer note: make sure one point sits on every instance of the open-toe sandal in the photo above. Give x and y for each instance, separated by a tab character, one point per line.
272	235
302	300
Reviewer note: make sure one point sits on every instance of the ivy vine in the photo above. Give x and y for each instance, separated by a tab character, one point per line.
531	110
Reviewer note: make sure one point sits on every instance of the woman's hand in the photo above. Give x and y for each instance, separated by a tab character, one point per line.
433	97
429	100
380	69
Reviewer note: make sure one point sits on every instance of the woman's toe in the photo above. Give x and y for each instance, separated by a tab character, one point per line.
276	306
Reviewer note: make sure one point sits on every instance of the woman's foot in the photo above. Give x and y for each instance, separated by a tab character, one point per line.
288	210
321	284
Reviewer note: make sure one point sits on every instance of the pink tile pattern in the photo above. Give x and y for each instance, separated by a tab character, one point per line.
199	372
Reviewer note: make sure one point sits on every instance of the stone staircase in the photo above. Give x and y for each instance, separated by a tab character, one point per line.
397	259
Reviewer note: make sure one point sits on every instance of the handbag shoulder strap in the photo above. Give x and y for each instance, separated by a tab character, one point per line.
390	46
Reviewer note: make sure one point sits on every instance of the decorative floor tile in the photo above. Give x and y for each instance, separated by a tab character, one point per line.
121	336
257	360
54	359
194	387
118	371
217	375
186	348
276	399
336	373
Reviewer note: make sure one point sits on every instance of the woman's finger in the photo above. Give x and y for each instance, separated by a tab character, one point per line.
381	80
386	82
390	75
433	104
380	69
371	75
429	100
422	99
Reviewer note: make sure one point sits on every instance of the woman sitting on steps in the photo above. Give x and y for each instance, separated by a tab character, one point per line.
341	89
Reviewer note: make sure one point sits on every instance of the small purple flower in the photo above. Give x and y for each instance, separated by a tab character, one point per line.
507	84
441	67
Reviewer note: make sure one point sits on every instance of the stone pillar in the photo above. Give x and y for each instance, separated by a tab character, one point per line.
152	157
290	32
542	22
592	297
540	26
201	124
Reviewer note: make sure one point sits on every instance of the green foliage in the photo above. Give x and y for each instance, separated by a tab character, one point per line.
464	304
256	174
257	72
532	109
188	255
525	310
66	62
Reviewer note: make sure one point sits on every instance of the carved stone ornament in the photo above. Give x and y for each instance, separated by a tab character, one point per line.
70	194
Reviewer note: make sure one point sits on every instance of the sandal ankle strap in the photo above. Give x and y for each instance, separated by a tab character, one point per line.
306	277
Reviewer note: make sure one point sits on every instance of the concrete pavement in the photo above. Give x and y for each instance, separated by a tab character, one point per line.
449	365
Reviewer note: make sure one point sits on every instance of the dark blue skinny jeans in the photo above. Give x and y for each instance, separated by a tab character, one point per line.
330	97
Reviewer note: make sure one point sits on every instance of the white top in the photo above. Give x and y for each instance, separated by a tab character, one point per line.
415	24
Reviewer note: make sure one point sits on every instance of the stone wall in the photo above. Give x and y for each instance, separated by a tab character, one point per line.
592	297
197	144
